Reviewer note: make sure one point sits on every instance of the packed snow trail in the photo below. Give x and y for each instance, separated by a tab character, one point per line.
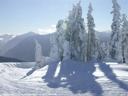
109	79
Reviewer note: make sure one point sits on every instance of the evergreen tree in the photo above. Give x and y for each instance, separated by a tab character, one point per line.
54	49
124	38
100	54
59	50
91	42
76	34
39	58
115	36
60	39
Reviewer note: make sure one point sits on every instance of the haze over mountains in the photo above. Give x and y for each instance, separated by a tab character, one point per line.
22	47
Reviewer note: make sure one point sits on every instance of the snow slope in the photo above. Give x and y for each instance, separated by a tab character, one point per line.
19	79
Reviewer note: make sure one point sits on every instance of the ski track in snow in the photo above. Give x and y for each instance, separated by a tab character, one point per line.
12	83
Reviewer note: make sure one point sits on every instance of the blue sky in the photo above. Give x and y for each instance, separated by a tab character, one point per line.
21	16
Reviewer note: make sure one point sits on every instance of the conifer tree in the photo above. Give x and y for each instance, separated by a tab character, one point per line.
124	38
76	34
91	42
115	49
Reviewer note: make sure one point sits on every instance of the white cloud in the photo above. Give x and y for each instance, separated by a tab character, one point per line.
47	30
54	26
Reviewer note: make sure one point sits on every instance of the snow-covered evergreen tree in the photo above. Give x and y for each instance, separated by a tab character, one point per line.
39	58
59	49
115	50
76	34
60	39
100	51
125	38
105	46
54	49
66	53
91	42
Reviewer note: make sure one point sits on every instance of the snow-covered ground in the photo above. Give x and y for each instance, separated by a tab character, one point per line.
19	79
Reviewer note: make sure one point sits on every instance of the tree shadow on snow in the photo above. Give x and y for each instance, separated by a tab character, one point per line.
29	73
106	69
51	71
34	68
75	76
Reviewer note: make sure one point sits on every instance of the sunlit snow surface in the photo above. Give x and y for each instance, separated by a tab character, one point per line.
112	78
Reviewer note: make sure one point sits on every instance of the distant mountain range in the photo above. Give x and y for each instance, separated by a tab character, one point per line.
103	36
22	47
4	39
6	59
